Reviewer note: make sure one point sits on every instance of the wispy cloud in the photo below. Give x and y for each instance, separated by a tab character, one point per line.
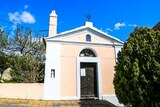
24	17
108	29
14	17
132	25
26	6
118	25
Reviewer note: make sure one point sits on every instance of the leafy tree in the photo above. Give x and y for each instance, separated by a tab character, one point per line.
3	49
24	43
3	40
3	62
26	69
24	54
27	62
137	77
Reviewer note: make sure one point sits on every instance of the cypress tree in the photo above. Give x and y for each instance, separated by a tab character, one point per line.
137	77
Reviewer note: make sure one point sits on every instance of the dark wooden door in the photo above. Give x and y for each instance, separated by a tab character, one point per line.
88	80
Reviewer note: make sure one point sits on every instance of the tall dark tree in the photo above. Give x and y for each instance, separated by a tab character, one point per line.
137	77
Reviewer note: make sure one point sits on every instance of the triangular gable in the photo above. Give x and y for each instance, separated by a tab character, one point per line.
79	35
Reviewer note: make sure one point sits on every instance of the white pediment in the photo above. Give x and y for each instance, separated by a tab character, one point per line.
79	35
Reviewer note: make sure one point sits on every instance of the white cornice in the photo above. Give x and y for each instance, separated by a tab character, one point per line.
83	43
60	35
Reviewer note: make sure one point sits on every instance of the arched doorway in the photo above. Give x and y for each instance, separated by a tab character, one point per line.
88	75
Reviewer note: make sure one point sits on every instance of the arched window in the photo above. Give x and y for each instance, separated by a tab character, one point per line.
87	53
88	37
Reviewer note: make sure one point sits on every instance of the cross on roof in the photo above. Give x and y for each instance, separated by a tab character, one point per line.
88	17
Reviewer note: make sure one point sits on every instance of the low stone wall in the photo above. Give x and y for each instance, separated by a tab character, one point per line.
22	90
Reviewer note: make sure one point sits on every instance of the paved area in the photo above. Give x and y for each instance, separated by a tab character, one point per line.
41	103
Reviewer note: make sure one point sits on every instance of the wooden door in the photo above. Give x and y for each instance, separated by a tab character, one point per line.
88	81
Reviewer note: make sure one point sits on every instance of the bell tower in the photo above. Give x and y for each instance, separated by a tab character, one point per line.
53	23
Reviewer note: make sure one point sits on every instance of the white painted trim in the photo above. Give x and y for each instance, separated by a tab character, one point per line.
89	49
78	79
99	79
70	98
83	43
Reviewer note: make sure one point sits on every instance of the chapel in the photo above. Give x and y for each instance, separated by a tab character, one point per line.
80	63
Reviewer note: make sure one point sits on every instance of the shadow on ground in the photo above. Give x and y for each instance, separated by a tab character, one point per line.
86	103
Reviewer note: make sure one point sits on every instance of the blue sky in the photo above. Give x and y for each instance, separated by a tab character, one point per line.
115	17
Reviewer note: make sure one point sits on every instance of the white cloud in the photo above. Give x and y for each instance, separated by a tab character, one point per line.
118	25
26	6
24	17
132	25
108	29
14	17
27	17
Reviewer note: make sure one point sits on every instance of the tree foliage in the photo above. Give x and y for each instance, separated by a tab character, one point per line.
24	43
137	77
26	69
3	40
3	48
24	54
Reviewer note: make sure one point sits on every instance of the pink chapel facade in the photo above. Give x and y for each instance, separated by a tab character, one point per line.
80	63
